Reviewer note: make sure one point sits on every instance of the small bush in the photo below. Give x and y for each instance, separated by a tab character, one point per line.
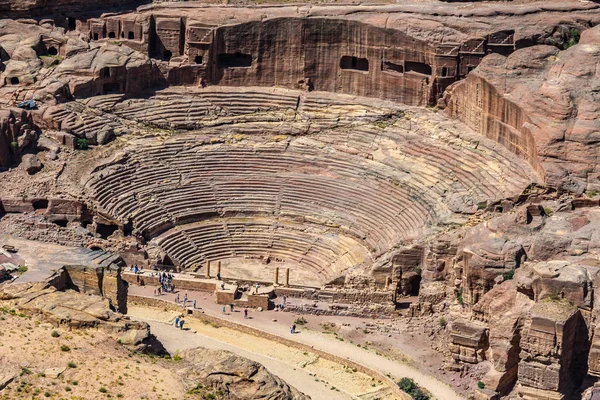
176	357
64	347
71	364
409	386
22	269
75	383
481	385
82	144
300	321
508	275
459	297
55	334
548	211
47	394
102	389
554	296
572	39
443	322
418	271
68	389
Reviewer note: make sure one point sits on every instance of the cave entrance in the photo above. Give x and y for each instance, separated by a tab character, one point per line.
111	35
417	67
413	285
111	87
131	35
167	55
41	204
235	60
389	66
61	222
96	37
444	71
354	63
71	23
14	80
105	230
198	60
53	51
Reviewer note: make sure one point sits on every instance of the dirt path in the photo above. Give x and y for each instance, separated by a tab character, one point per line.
278	324
303	370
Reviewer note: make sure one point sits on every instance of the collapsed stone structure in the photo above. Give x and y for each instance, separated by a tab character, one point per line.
297	138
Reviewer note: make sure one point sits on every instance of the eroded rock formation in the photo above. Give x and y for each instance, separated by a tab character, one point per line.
236	135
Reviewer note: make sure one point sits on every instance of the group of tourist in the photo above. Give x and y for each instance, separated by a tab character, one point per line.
179	322
165	280
185	300
136	270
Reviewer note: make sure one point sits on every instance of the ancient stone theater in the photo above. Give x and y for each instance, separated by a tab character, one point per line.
423	172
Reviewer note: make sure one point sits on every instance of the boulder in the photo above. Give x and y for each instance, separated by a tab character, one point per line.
237	377
32	164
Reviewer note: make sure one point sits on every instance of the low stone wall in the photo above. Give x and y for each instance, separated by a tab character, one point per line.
199	315
180	284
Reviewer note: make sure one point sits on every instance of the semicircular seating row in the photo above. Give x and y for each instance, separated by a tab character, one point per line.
323	254
379	203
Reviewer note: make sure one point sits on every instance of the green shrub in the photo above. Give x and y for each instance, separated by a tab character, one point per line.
102	389
300	321
82	144
71	364
409	386
64	347
481	385
68	389
55	334
443	322
459	297
508	275
22	269
572	38
548	211
177	357
554	296
47	394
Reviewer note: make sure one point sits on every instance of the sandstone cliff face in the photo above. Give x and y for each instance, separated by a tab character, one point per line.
539	102
40	8
17	132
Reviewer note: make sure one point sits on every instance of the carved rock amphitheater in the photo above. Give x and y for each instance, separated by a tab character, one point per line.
410	158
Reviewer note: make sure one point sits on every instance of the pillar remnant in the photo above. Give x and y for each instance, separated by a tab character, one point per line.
287	277
207	270
219	268
276	276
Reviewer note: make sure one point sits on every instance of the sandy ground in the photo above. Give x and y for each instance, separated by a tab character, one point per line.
304	370
393	354
30	353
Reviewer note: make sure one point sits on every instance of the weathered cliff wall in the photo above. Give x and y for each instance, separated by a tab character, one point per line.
539	103
47	8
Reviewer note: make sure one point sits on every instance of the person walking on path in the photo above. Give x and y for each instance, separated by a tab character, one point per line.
176	322
181	324
223	309
257	286
245	313
230	307
194	304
